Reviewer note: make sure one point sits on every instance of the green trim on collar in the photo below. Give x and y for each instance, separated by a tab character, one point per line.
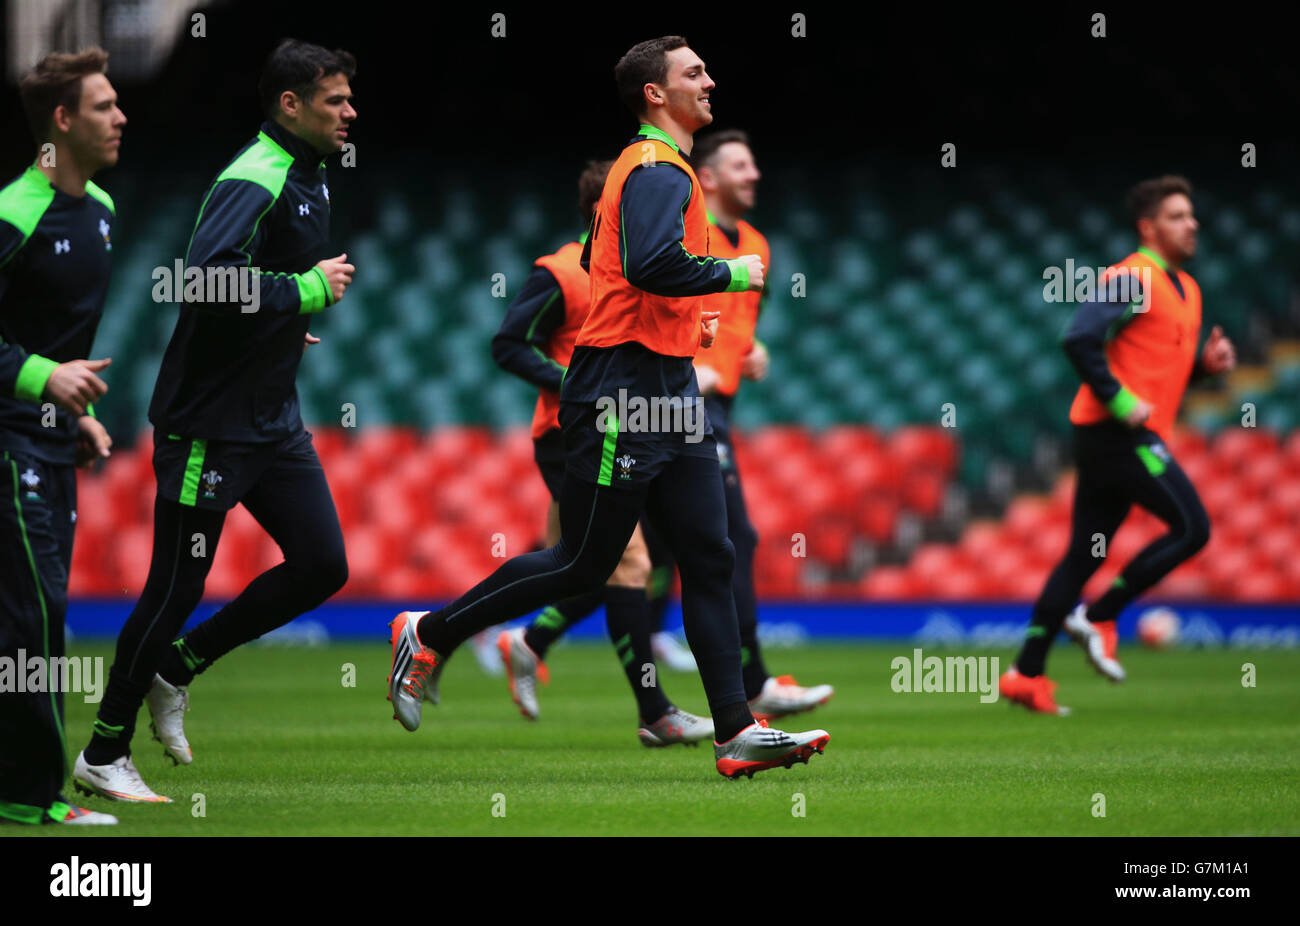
24	201
708	214
264	163
1156	258
95	191
654	132
582	239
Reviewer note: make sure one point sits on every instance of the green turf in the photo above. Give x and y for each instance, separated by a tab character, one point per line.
282	747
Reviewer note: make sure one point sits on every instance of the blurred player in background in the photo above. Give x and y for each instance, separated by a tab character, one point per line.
1136	356
227	423
729	178
535	343
645	323
56	229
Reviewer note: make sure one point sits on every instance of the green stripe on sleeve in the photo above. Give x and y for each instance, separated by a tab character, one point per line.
739	276
533	327
193	467
1122	403
607	453
32	377
313	291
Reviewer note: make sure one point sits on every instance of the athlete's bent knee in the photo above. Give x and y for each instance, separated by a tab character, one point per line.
1198	532
633	570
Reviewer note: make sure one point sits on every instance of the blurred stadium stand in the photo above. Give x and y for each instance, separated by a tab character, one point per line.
910	302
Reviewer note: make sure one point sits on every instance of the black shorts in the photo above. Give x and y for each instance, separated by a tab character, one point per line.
627	411
548	452
600	450
216	474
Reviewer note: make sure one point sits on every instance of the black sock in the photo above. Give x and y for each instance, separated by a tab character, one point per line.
658	594
1108	606
627	615
1033	652
752	669
730	719
555	620
114	725
181	664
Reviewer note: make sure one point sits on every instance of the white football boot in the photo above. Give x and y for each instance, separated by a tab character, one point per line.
80	816
1083	632
167	707
781	696
486	652
676	726
667	650
523	670
759	747
415	669
119	781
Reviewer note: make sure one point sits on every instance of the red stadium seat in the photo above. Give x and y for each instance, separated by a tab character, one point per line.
916	445
1187	443
1063	492
885	583
981	539
1027	515
845	443
878	517
1184	586
830	540
924	490
1235	446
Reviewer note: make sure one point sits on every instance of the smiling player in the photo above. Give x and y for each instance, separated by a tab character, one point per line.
647	257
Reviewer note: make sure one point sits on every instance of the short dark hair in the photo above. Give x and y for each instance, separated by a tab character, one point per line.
1143	201
55	82
644	63
299	66
706	146
590	186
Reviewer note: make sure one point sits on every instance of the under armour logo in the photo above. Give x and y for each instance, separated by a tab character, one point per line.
304	209
62	247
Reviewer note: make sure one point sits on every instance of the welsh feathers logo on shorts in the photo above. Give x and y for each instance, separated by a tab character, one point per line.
625	464
211	479
31	482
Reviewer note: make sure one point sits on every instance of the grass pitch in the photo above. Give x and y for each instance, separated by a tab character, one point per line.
283	747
